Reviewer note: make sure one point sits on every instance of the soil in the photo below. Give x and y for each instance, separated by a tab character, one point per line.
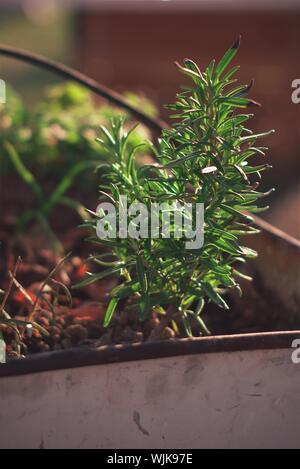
69	318
74	318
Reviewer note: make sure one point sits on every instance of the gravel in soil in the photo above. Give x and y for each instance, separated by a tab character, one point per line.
74	318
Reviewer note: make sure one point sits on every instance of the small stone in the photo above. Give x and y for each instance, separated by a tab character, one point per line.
54	331
139	337
46	314
76	333
168	333
56	338
105	339
131	335
150	325
42	346
59	321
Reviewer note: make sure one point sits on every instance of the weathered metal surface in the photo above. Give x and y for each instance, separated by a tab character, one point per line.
276	270
81	357
221	400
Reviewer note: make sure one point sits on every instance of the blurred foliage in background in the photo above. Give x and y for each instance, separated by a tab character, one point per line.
60	130
48	127
49	146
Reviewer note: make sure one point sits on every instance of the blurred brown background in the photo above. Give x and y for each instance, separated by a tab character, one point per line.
131	45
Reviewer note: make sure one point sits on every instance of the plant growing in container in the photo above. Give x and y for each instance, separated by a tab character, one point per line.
205	157
180	392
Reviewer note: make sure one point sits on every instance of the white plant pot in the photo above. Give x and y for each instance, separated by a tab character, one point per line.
238	391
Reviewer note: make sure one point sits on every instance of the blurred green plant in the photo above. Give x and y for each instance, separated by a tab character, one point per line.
45	204
61	129
203	158
55	142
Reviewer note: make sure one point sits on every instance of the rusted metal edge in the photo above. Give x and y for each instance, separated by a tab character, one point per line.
80	357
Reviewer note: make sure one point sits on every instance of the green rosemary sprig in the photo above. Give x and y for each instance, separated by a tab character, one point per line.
205	157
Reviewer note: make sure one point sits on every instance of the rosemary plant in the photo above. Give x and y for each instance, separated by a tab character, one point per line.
205	157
